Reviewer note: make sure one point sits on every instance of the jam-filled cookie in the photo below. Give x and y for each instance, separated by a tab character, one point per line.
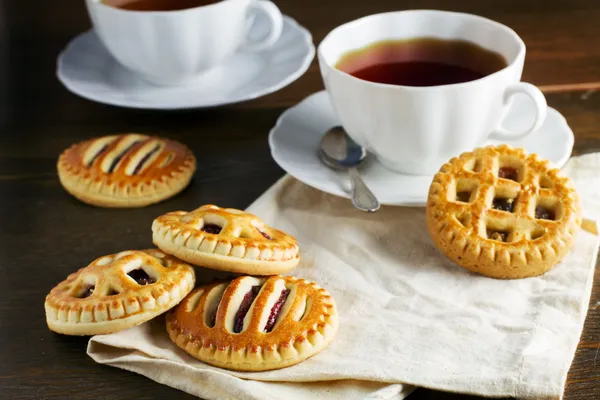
503	213
254	324
225	239
129	170
118	291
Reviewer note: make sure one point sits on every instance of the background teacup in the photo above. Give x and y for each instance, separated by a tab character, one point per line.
174	47
413	129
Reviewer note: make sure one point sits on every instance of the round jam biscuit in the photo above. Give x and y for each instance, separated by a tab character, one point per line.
503	213
129	170
254	324
118	291
225	239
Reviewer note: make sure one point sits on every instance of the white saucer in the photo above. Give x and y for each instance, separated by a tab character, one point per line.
295	139
87	69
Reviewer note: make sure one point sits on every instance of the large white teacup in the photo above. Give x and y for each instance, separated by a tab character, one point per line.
415	130
175	47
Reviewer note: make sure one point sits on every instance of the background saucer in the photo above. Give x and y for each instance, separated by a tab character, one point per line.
295	139
87	69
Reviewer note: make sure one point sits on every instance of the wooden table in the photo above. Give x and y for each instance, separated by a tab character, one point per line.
45	234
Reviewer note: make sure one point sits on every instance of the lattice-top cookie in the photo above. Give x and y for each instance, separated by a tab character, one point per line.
225	239
126	170
503	213
118	291
254	324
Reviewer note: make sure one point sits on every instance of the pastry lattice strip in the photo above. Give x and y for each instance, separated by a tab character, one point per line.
258	299
119	272
215	310
231	222
127	154
499	208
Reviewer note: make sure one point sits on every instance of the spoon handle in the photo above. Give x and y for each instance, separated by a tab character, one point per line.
362	197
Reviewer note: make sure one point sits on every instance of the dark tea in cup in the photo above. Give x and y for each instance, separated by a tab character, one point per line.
421	61
157	5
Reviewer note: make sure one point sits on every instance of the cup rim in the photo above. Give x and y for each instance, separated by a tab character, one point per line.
357	21
157	12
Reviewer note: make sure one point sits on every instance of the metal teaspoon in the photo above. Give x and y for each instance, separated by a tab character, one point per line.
339	151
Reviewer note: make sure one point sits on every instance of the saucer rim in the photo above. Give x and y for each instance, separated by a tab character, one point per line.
291	78
408	201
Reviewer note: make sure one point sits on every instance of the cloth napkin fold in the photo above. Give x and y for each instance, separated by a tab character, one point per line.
408	316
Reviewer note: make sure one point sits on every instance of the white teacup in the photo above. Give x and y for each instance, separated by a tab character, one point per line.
415	130
175	47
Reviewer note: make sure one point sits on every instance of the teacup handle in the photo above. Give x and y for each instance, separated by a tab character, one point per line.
272	12
541	108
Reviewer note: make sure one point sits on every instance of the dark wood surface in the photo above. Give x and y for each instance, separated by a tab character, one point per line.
45	234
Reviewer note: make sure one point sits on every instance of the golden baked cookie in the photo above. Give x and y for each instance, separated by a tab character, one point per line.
503	213
254	324
225	239
129	170
118	291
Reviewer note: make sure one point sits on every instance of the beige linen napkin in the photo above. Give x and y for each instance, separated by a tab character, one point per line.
408	315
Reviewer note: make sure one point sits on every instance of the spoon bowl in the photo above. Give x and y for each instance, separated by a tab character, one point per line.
339	151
